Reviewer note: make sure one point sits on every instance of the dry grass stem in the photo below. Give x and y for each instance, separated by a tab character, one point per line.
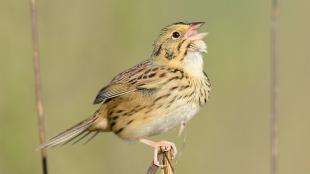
165	158
37	79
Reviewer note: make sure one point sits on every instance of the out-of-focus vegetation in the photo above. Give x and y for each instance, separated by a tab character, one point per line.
85	43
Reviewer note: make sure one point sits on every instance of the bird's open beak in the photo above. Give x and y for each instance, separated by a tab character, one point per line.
192	32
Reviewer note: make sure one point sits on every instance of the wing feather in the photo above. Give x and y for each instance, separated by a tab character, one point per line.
141	76
111	91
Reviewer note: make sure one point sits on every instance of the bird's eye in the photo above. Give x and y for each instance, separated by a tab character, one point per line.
175	35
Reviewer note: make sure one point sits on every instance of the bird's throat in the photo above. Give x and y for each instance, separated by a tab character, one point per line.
193	63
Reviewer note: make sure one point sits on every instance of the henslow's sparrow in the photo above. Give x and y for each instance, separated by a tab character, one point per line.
154	96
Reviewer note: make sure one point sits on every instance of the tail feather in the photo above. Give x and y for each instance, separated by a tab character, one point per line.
80	138
71	133
90	138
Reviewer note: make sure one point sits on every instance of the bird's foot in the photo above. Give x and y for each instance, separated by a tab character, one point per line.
160	145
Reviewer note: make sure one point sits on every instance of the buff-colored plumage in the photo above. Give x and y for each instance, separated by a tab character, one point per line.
154	96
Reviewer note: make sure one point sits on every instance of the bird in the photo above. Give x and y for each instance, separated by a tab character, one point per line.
160	93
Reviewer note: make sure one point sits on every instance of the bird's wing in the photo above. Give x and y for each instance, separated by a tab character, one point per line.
111	91
142	76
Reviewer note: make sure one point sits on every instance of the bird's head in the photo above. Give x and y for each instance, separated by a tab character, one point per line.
176	40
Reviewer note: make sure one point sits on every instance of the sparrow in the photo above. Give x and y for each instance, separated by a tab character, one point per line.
154	96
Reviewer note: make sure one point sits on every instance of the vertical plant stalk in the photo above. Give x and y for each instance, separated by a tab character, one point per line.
274	86
165	158
37	79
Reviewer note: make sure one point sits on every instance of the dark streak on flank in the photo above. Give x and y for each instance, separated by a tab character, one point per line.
192	93
207	81
173	70
140	109
115	118
138	106
148	111
140	70
155	69
200	103
112	124
185	86
186	76
132	112
173	78
152	75
162	75
140	77
161	97
168	106
130	122
119	111
189	95
149	70
179	97
178	70
159	106
119	131
182	74
205	93
141	84
133	81
112	107
173	88
171	101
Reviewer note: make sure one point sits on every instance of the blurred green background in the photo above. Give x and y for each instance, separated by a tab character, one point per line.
85	43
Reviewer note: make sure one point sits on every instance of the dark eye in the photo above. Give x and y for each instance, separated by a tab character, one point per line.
175	35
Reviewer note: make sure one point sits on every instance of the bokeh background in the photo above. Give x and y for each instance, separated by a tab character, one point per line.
85	43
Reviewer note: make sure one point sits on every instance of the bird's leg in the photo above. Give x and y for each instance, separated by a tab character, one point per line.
182	127
157	146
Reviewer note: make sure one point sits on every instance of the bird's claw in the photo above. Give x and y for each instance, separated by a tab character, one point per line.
160	146
164	146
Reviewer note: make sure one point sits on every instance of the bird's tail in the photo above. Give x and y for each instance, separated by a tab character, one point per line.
80	130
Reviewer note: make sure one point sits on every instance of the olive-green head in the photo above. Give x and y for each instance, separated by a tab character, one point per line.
177	39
